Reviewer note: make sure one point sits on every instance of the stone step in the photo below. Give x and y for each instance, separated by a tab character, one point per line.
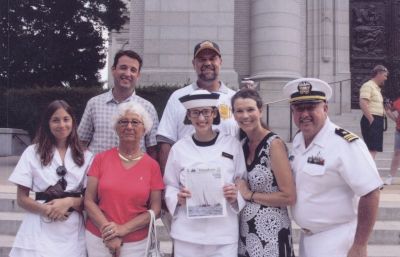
384	171
387	154
6	243
373	250
383	162
385	231
166	247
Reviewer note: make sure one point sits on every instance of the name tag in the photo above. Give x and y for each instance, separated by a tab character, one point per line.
227	155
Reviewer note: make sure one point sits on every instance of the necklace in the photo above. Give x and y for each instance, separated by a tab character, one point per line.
129	159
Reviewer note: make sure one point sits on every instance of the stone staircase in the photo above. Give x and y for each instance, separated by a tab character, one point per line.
384	241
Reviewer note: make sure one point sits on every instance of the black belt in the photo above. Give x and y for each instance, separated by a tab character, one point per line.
46	197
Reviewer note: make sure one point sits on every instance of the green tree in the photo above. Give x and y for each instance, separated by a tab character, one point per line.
55	42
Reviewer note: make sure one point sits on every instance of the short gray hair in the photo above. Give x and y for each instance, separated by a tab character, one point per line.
133	108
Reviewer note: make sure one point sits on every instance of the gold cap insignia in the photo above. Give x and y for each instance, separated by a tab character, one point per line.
304	88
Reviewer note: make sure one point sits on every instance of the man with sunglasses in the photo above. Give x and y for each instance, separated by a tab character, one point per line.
333	169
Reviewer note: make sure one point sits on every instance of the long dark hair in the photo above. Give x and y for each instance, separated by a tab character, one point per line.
45	140
252	94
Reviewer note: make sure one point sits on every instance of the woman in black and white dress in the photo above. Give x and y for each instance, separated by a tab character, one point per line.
265	229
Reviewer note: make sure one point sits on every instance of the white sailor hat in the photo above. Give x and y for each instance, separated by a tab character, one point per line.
307	90
200	98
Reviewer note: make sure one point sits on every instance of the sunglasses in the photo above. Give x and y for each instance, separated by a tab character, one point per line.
62	171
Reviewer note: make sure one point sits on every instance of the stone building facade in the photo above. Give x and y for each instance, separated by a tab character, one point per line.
270	42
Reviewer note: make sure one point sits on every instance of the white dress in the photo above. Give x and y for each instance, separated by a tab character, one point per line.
36	236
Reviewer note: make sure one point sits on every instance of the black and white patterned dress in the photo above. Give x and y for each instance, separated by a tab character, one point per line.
264	231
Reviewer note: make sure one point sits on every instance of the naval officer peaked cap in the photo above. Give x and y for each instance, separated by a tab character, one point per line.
307	90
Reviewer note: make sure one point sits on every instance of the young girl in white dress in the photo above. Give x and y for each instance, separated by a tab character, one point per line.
53	224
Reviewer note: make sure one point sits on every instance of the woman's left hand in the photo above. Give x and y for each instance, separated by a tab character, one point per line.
230	193
112	230
59	209
243	188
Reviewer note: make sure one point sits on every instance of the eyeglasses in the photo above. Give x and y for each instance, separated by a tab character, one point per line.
62	171
304	107
134	123
196	113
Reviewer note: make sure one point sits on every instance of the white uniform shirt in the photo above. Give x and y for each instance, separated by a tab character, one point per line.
61	238
171	124
185	153
330	175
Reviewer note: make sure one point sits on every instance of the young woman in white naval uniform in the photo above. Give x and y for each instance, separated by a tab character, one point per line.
216	236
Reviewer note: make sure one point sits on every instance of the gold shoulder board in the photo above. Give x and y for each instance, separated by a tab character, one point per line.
348	136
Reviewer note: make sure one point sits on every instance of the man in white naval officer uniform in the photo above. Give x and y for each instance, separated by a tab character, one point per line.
337	181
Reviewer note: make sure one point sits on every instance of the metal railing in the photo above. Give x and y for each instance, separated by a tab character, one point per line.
267	105
340	82
22	142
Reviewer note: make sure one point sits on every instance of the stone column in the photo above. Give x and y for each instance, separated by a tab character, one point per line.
276	33
328	53
277	46
136	26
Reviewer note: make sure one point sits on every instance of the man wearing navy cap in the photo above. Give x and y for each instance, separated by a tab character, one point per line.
332	169
207	64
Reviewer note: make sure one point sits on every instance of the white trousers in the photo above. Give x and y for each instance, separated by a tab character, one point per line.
185	249
335	242
96	247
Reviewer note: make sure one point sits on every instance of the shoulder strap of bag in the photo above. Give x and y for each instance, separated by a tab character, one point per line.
152	231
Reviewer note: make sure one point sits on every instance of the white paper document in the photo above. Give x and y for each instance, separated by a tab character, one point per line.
205	185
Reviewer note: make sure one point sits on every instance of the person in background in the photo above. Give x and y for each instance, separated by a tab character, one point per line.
371	104
95	130
208	149
269	187
393	112
123	183
337	182
54	167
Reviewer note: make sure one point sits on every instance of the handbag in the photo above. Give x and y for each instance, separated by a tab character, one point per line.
153	245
